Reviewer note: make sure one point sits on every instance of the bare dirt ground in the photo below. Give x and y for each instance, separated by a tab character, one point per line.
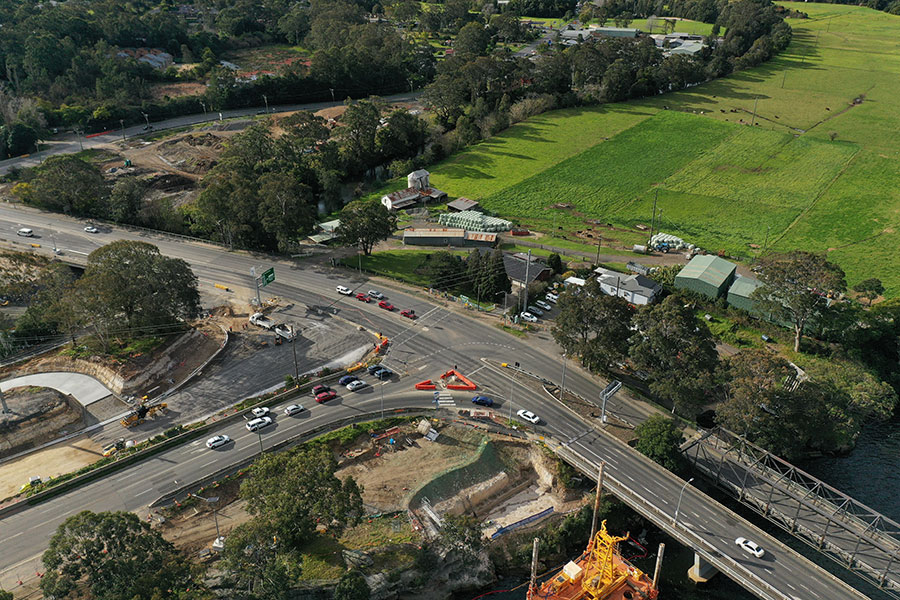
176	90
51	462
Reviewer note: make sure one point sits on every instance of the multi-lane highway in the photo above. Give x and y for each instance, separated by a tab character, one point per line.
440	339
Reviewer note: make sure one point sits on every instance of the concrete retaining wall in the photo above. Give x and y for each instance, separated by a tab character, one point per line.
108	377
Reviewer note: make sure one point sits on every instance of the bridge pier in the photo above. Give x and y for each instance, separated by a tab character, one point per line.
701	571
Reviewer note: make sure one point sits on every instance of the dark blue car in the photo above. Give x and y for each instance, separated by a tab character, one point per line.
482	400
347	379
372	368
383	374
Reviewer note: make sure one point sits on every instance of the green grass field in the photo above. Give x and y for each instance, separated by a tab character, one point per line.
819	168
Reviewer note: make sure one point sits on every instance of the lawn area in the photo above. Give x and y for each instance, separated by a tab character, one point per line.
682	26
403	265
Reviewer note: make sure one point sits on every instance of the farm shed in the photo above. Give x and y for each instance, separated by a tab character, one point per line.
739	294
401	199
461	204
444	236
474	221
707	274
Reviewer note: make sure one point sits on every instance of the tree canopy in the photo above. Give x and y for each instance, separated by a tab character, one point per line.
658	438
365	223
116	555
352	586
796	288
677	351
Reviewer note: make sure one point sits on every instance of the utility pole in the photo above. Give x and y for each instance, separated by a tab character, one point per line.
259	435
203	104
753	120
511	383
78	134
527	270
382	400
146	119
653	219
599	242
562	387
3	407
332	93
122	123
266	100
294	349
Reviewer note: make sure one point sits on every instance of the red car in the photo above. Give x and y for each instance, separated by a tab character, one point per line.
363	297
386	305
326	396
409	313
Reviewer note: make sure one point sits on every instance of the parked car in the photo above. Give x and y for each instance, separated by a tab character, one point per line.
259	423
356	385
750	547
326	396
217	440
363	298
383	374
284	331
347	379
376	294
319	389
293	409
408	313
551	297
372	368
527	316
91	229
544	305
260	411
386	305
482	401
535	311
344	290
527	415
25	232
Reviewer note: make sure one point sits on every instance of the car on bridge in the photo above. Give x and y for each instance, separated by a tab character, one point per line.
386	305
260	411
527	415
346	379
482	401
363	298
376	294
326	396
750	547
344	291
356	385
257	424
408	313
217	441
293	409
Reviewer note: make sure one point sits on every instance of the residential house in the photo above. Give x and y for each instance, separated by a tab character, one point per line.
327	232
635	289
521	272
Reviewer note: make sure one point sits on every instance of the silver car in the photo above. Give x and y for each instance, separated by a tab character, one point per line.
535	311
293	409
544	305
259	423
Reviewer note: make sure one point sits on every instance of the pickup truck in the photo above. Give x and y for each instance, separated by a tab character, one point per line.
261	320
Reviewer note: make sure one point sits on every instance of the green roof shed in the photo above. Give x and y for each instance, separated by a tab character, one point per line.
739	294
706	274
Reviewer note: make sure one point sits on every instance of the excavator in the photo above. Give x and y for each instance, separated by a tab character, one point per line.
137	416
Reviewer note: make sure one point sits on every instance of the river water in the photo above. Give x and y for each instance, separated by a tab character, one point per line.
871	472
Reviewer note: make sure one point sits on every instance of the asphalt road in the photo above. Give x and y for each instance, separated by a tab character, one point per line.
421	349
68	143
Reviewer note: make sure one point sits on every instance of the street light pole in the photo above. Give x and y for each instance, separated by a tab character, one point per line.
259	435
266	100
294	350
562	388
203	104
678	506
511	383
122	123
382	400
78	134
146	119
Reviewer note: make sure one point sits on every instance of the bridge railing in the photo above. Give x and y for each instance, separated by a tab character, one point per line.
766	483
650	511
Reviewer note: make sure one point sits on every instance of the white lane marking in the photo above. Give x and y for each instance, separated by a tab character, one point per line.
147	491
15	536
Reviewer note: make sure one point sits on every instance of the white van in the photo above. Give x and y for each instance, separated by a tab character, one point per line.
552	297
25	232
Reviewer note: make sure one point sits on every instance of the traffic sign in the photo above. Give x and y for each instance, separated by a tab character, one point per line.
267	277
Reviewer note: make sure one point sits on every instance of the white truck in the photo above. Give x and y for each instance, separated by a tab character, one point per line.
261	320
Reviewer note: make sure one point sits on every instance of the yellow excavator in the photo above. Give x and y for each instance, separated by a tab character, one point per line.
137	416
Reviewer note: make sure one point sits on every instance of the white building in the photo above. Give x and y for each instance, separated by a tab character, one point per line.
634	289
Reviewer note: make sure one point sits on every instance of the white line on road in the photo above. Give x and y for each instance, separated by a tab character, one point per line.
147	491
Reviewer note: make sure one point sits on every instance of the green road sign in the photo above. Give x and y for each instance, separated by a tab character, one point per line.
268	277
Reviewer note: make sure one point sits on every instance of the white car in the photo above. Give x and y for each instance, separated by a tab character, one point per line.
293	409
750	547
376	294
25	232
527	316
356	385
527	415
259	423
91	229
535	311
260	411
217	440
544	305
343	290
551	297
